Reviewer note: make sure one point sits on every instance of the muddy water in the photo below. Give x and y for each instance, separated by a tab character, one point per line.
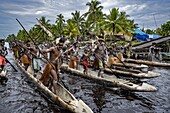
114	100
19	95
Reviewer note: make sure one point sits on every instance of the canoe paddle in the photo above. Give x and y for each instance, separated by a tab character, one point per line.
42	53
11	64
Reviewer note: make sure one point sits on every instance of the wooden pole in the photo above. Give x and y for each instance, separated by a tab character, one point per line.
11	64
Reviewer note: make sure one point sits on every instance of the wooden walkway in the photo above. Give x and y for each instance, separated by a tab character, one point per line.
149	43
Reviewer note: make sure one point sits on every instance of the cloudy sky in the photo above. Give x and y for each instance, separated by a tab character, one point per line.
142	11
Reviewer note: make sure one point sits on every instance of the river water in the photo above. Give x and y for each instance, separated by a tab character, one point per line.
19	95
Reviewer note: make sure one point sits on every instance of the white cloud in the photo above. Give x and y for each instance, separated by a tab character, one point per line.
38	12
131	8
110	3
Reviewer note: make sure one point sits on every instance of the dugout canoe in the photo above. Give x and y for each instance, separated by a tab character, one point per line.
131	70
110	80
62	97
132	73
130	65
151	63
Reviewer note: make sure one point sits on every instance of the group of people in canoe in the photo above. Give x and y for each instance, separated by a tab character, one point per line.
29	54
97	55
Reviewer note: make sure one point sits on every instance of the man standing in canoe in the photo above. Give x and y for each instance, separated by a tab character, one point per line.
35	58
74	56
15	50
52	68
101	55
25	60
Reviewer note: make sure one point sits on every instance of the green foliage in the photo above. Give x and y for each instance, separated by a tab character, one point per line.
165	29
94	14
10	38
71	30
59	27
22	35
116	22
149	31
77	18
93	21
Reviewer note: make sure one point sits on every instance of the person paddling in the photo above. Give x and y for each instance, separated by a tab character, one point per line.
54	67
15	50
101	55
35	58
25	60
74	56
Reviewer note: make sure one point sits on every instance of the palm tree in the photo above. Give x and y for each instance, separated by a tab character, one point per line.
94	13
44	36
78	19
35	33
54	30
60	24
21	35
116	22
133	25
44	22
70	29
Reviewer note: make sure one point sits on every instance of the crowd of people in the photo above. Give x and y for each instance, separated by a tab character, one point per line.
98	56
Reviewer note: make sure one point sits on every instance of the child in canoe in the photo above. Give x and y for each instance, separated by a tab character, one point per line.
84	61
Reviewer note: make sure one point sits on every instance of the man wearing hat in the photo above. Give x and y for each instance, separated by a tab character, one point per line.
100	55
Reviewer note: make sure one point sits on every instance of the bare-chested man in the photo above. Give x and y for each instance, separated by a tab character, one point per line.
53	67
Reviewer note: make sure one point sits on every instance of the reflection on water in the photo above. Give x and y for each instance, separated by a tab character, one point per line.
99	98
19	95
102	99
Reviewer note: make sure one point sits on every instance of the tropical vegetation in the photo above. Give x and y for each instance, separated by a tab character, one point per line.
94	21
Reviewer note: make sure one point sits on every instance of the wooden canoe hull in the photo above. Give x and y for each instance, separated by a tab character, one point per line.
129	65
71	103
123	71
110	80
149	74
159	64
